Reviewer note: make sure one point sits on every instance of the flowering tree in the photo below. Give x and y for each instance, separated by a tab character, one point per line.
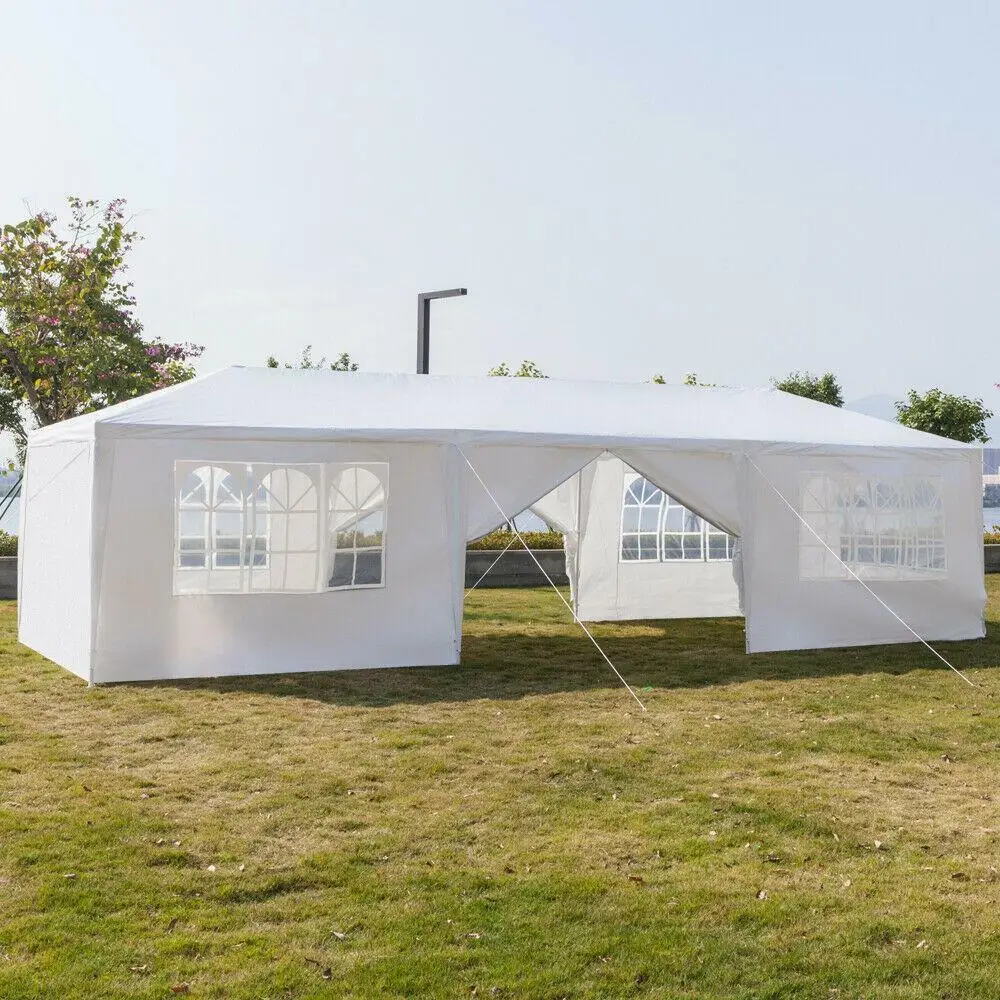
69	339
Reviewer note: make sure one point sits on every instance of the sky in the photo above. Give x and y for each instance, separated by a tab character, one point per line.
729	189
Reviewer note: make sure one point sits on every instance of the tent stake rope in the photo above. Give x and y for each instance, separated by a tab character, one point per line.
836	556
492	564
559	594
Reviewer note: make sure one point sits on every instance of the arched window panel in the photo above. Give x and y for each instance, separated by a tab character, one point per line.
656	528
641	514
357	524
284	543
210	523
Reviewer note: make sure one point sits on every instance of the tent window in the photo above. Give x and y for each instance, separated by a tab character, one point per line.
265	528
209	528
357	517
641	512
720	544
683	532
888	529
282	547
656	528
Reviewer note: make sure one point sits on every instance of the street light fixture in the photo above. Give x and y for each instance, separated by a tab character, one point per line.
424	325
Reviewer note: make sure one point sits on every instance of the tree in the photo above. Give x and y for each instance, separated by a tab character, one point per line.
528	369
941	413
345	363
689	379
69	339
823	388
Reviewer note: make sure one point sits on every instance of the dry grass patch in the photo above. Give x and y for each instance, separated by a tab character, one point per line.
796	825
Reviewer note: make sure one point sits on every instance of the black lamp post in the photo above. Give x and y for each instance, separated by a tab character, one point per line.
424	325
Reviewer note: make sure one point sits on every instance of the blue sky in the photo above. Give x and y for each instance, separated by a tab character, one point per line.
731	189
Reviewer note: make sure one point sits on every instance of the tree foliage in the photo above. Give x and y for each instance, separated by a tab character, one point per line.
689	379
70	342
823	388
527	369
942	413
344	363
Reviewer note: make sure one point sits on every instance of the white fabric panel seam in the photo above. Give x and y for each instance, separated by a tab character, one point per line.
97	566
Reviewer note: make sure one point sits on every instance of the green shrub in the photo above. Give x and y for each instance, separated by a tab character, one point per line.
499	539
8	544
992	536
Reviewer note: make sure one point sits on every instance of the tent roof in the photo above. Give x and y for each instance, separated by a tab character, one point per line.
269	404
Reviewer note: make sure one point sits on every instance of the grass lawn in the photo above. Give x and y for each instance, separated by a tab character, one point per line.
794	825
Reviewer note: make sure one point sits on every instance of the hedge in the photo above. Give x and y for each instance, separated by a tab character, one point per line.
8	544
500	539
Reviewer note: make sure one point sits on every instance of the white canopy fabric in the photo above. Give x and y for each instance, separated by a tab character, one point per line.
260	520
271	403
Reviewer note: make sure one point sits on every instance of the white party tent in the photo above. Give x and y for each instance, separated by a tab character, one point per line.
634	551
266	520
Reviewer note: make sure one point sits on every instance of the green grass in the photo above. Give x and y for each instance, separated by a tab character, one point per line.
796	825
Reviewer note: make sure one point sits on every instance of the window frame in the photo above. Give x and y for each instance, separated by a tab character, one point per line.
642	504
211	566
252	476
259	472
821	519
383	477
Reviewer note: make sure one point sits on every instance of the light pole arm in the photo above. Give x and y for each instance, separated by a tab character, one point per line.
424	325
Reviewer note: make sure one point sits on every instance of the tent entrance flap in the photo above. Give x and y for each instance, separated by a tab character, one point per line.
520	475
705	483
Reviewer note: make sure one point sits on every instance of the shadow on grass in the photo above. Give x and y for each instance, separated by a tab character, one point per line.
678	654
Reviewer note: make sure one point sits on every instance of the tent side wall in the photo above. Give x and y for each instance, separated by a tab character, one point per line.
147	631
797	594
55	576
